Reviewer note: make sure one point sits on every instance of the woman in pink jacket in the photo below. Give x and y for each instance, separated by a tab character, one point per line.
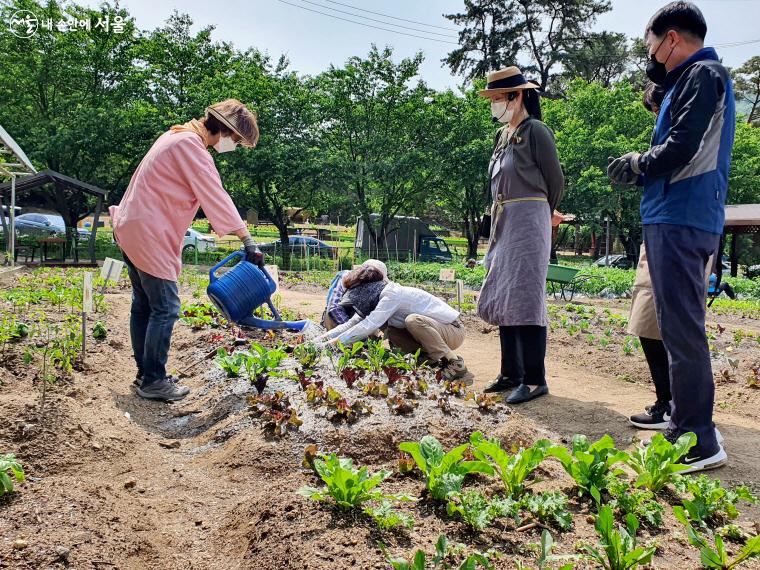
173	180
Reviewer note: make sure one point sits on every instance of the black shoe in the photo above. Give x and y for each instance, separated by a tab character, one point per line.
656	417
501	384
524	394
164	390
698	460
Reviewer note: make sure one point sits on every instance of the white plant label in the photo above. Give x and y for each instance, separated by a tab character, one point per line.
448	274
87	293
460	291
111	270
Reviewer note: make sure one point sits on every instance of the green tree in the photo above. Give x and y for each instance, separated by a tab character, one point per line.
744	177
489	37
747	88
463	148
601	57
376	136
496	32
590	125
72	100
285	168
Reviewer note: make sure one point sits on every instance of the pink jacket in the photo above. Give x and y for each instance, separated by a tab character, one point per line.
176	177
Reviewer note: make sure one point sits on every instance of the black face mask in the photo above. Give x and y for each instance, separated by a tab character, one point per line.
656	71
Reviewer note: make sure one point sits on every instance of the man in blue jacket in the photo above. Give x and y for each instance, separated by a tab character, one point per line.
685	178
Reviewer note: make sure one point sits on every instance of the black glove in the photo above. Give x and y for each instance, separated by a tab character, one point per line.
252	252
624	170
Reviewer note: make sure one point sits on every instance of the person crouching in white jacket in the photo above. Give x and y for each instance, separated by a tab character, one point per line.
411	319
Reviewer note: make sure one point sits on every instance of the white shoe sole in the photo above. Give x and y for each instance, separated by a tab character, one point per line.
718	436
717	460
656	427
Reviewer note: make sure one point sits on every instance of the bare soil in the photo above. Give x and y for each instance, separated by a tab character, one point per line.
116	481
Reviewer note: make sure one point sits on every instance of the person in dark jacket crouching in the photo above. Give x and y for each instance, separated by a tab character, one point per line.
685	179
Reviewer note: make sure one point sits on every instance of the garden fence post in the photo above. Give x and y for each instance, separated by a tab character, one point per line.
196	251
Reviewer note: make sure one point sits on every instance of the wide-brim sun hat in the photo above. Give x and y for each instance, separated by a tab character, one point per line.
505	80
238	119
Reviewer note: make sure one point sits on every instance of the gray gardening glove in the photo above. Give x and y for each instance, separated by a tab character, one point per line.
624	170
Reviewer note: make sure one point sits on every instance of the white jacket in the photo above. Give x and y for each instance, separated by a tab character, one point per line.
396	303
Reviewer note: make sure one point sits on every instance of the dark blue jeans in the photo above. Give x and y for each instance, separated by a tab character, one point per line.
677	256
155	309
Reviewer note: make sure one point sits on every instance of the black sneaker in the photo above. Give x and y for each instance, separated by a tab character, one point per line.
697	460
655	417
501	384
164	390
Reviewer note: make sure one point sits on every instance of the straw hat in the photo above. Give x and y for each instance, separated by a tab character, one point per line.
237	118
505	80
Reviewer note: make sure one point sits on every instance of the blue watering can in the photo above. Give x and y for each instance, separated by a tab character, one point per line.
241	290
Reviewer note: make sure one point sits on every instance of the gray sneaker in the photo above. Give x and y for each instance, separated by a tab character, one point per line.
164	390
454	369
138	381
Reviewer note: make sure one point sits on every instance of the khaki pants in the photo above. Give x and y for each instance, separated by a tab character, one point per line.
643	318
435	339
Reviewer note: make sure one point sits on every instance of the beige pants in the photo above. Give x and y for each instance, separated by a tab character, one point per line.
437	340
643	318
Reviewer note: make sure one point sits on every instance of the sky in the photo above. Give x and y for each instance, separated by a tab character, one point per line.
313	41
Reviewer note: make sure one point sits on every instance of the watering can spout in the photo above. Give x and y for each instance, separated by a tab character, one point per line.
265	324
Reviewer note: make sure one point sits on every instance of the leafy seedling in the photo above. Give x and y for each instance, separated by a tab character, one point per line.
10	470
513	470
445	471
99	331
657	464
549	508
348	486
589	464
442	551
710	501
477	511
638	502
400	405
386	517
618	549
715	556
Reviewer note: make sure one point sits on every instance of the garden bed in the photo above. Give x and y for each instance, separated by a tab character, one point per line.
116	481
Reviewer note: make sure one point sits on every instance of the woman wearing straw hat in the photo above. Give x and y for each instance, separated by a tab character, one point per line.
174	179
526	186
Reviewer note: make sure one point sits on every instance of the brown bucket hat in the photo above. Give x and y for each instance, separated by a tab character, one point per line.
237	118
505	80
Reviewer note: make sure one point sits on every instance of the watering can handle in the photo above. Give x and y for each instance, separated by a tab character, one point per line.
212	274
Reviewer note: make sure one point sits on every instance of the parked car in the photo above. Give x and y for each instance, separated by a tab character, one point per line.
195	238
618	260
299	245
44	225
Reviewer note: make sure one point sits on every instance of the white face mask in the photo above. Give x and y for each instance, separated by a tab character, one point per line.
225	144
499	111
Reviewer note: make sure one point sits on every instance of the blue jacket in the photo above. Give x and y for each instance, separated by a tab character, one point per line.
685	171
